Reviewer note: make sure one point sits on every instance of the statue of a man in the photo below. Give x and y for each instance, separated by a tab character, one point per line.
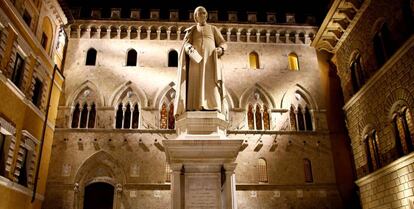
200	82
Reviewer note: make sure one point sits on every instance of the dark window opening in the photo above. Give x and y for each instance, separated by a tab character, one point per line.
92	115
75	116
308	171
91	57
119	116
37	92
98	195
3	153
132	58
22	179
43	41
27	18
135	117
127	117
18	70
84	116
382	45
172	58
308	119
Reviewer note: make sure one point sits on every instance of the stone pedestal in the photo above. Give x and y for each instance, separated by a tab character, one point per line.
202	160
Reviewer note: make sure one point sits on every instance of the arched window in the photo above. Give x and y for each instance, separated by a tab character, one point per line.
382	45
357	73
171	117
84	116
372	151
308	170
266	118
172	58
75	116
47	34
167	119
91	57
132	57
292	117
258	117
293	62
119	116
135	116
163	116
308	120
404	130
254	60
262	170
92	115
250	117
127	117
300	118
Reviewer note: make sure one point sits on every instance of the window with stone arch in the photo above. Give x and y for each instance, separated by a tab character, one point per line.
167	118
173	58
91	57
382	44
372	150
132	57
402	122
262	170
293	62
84	110
300	114
254	60
127	111
258	113
357	72
307	166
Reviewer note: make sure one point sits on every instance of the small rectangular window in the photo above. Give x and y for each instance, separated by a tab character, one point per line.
18	70
37	92
27	18
43	41
3	154
22	179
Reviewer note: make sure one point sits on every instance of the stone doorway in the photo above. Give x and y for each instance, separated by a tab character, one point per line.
99	195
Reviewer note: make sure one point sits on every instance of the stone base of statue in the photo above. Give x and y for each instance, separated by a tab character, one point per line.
202	160
201	125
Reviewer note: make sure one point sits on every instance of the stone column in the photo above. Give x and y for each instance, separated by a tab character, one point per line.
88	33
296	38
79	32
178	35
267	37
98	33
229	190
118	33
277	37
149	34
158	34
228	35
176	189
287	37
168	34
257	37
248	37
307	39
238	36
129	34
108	33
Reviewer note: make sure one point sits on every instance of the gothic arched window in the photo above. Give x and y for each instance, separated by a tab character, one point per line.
308	120
167	119
292	117
75	116
172	58
92	115
300	118
250	117
119	116
127	117
91	57
382	45
135	116
132	57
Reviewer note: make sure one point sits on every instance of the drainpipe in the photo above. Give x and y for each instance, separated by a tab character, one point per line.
43	134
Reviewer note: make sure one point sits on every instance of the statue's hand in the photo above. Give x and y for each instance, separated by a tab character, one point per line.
220	51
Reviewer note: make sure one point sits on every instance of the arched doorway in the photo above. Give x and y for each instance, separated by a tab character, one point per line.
99	195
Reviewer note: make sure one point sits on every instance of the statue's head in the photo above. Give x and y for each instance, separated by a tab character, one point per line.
200	15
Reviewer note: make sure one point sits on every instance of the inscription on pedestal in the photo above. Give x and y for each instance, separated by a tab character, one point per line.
202	192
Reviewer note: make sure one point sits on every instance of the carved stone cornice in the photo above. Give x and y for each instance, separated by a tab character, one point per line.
338	23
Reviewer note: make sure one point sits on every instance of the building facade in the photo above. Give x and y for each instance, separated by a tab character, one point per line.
371	47
31	53
117	104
